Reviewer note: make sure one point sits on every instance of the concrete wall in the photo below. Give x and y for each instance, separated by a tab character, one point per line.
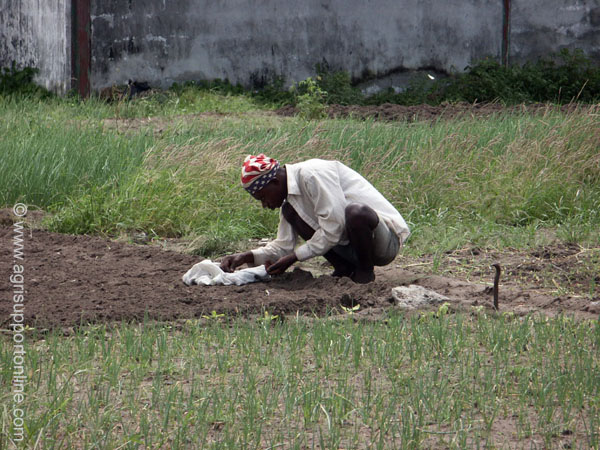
540	27
37	33
163	41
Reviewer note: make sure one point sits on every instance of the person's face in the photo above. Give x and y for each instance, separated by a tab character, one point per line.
272	195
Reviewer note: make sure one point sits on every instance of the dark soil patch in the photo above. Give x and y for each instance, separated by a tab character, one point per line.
78	279
393	112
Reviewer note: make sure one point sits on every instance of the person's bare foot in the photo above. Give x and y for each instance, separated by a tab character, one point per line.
363	276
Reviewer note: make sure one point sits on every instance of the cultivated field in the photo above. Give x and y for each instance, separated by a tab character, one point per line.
125	197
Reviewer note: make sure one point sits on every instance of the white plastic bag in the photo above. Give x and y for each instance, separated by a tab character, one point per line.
209	273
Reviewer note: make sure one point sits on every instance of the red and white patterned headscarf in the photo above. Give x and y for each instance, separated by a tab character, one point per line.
257	171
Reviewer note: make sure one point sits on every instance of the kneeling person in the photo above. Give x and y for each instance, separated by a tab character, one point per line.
339	214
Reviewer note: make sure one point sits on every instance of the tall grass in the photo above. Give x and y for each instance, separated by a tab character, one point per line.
48	159
509	171
503	173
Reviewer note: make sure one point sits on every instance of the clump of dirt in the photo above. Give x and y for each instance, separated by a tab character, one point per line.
72	280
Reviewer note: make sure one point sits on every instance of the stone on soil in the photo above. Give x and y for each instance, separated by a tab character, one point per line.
413	297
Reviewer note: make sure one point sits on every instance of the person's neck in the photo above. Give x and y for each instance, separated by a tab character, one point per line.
283	175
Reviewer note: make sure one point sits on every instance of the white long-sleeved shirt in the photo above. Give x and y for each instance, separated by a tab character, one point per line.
319	191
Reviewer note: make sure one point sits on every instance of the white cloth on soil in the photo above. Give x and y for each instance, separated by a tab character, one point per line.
209	273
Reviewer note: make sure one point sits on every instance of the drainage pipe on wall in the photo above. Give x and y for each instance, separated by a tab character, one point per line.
505	32
81	55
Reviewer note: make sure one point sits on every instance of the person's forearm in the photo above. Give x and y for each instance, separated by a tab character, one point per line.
282	265
269	253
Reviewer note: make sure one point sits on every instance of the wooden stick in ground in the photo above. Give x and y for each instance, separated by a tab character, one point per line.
496	283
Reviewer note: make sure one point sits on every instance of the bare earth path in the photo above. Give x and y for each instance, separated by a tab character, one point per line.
78	279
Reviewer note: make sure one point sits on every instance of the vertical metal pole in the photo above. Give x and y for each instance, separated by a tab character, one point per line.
81	46
506	33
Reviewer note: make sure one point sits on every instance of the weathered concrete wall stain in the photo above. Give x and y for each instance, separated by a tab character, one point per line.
540	27
37	33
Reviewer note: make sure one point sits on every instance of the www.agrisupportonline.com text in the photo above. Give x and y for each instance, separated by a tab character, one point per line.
17	325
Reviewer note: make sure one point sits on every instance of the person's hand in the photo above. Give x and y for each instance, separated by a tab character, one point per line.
231	262
282	264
